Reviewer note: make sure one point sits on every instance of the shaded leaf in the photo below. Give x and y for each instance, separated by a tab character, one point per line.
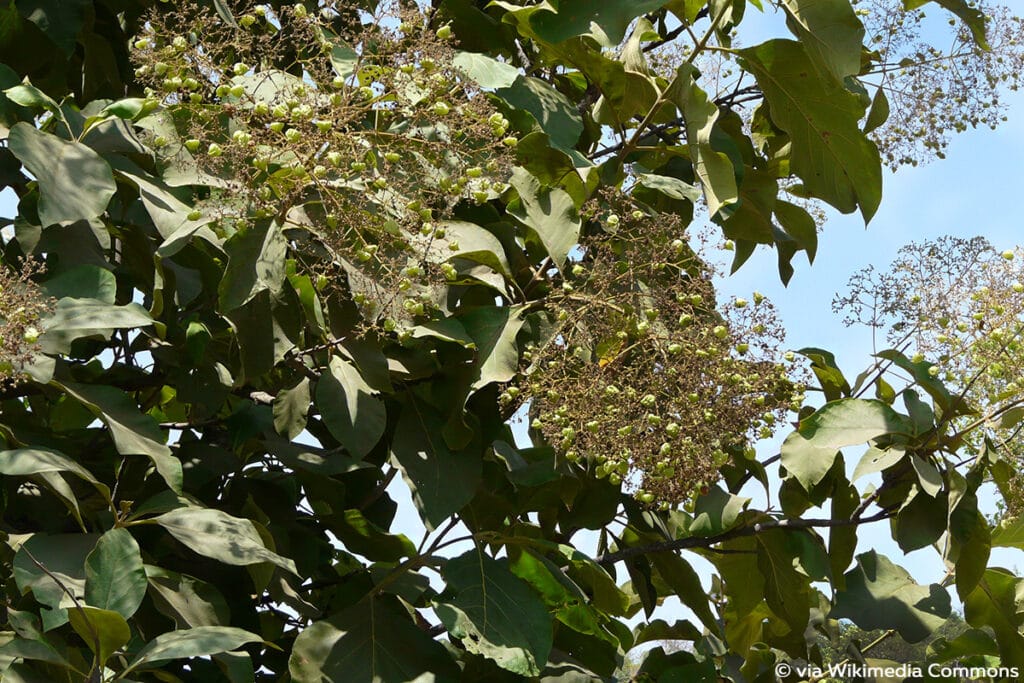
880	594
372	641
442	480
353	415
75	183
114	576
104	631
549	212
830	153
809	453
496	614
218	535
193	642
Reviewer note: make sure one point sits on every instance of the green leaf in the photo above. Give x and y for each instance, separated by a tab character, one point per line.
1010	534
114	576
92	314
133	432
788	561
373	640
27	95
549	212
714	168
995	604
553	111
193	642
38	650
83	282
75	183
291	407
830	153
61	21
344	59
809	453
876	460
685	584
493	330
920	372
185	599
829	31
353	415
104	631
879	112
485	71
673	188
880	594
23	462
823	364
362	536
968	12
474	244
920	522
256	263
971	642
63	555
218	535
495	614
442	480
605	21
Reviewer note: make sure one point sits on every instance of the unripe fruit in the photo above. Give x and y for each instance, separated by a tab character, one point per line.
740	303
510	142
675	349
334	158
730	245
720	331
648	400
194	215
441	108
393	157
292	135
31	335
179	43
612	220
685	319
142	43
214	150
1008	254
672	429
445	32
240	68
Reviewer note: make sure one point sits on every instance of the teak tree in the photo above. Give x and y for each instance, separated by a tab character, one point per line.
267	258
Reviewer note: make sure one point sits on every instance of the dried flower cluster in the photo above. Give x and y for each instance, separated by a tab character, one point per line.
938	87
960	304
644	378
360	132
22	306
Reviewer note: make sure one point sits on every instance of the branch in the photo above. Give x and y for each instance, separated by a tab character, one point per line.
707	541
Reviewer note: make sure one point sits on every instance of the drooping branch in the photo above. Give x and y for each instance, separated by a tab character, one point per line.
739	532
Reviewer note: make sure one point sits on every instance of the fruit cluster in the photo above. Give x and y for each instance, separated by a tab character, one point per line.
22	308
644	378
367	143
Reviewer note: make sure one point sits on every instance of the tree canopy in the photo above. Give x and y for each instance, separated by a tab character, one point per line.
268	258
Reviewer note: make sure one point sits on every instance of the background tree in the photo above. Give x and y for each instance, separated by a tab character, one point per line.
267	258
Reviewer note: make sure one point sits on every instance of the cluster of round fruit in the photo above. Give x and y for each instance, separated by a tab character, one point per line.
22	307
371	154
644	379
